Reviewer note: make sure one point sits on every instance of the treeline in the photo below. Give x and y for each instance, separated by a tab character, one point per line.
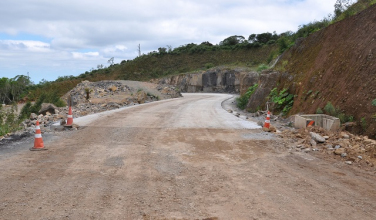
13	89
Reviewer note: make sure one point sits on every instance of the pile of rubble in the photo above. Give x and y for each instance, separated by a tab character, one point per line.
352	149
93	97
342	145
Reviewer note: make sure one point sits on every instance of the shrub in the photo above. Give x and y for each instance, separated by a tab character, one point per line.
209	65
8	121
282	100
329	109
242	101
319	111
363	123
43	98
374	102
262	67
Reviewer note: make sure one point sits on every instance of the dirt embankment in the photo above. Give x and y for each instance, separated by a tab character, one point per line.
337	65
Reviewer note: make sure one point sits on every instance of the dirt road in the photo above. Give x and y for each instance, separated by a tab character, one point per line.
185	158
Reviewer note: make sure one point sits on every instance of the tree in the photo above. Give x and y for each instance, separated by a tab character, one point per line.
4	90
169	48
252	38
111	61
12	89
264	38
232	41
206	43
162	50
340	6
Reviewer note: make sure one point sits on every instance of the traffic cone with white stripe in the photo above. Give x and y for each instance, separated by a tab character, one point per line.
70	117
267	121
38	141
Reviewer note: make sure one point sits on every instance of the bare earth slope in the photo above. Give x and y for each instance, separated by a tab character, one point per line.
184	158
337	65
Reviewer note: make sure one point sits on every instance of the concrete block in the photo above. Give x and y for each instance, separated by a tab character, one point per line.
325	121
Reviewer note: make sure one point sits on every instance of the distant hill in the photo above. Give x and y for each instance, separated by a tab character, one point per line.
184	59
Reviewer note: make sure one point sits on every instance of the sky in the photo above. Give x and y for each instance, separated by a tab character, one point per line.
46	39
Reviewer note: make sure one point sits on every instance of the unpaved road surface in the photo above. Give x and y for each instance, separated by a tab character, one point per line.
185	158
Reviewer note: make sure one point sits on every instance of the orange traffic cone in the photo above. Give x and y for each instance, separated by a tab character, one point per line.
38	141
267	121
70	117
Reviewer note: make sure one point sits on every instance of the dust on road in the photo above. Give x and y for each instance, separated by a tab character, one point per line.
178	159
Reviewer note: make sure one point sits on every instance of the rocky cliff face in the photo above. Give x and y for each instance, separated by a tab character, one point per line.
218	80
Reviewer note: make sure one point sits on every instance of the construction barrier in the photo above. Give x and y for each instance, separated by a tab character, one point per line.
38	141
70	117
267	120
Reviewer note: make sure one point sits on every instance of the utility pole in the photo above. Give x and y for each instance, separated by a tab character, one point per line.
139	50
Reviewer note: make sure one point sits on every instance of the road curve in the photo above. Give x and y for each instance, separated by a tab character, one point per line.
178	159
193	110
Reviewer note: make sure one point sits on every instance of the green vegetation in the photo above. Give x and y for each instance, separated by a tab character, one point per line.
329	109
9	121
12	90
281	100
209	65
242	101
374	102
344	8
262	67
319	111
363	123
43	98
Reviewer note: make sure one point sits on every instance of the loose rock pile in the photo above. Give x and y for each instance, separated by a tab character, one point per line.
351	149
93	97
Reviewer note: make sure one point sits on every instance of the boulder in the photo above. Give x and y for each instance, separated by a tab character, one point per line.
141	97
318	138
33	116
344	135
47	107
340	151
113	88
272	128
313	143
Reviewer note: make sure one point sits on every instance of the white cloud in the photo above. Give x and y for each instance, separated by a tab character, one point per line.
85	56
31	46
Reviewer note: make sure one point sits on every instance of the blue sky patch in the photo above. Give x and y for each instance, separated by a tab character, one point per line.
24	36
